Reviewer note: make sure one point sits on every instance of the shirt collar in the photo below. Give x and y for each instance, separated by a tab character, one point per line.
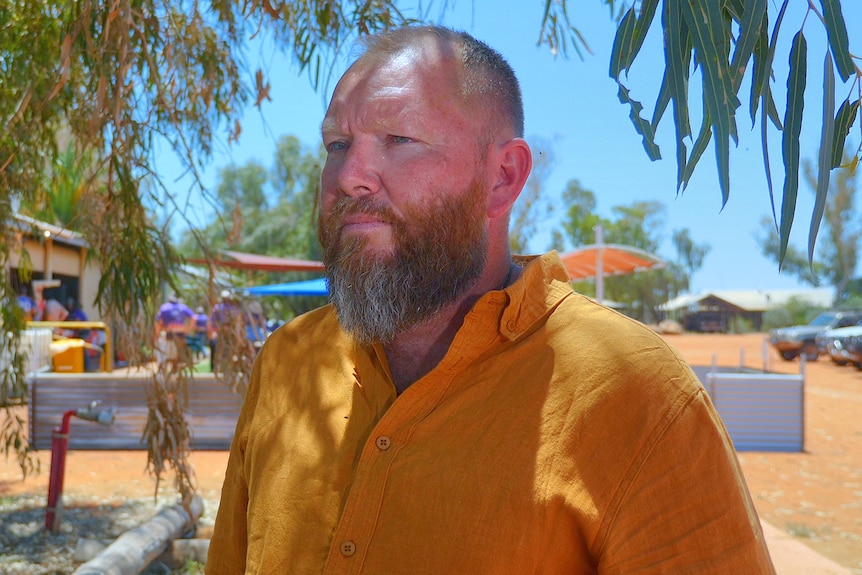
543	284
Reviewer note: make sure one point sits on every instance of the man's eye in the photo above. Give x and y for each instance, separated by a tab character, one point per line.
336	146
399	139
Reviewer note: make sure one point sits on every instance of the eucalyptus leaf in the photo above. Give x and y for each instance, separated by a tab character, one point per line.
753	20
796	80
836	30
641	125
824	159
677	55
843	121
706	24
622	44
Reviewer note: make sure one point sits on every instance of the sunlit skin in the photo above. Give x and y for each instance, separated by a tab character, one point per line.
395	130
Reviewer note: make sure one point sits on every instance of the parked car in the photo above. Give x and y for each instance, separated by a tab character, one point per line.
797	340
834	342
853	349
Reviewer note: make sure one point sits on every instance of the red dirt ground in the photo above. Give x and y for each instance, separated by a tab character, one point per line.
815	495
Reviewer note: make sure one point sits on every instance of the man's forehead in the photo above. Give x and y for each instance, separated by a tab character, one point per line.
386	84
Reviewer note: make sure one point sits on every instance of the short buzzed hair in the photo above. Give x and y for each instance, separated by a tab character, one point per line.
487	78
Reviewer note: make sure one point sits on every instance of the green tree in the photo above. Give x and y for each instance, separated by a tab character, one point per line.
118	73
267	211
638	225
580	221
690	256
838	251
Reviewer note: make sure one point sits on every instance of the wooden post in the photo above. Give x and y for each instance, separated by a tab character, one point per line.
135	549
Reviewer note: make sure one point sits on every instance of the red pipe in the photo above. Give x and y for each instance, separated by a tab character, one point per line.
59	446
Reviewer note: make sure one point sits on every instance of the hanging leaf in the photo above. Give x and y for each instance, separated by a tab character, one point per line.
836	30
790	137
707	31
644	22
622	44
768	109
641	125
843	122
750	25
760	54
699	147
677	55
764	143
824	159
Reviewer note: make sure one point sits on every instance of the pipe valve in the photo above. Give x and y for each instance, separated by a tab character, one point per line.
95	412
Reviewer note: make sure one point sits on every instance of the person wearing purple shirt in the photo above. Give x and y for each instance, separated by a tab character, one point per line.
174	319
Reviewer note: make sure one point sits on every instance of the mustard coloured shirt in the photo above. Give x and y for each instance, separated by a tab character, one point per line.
556	436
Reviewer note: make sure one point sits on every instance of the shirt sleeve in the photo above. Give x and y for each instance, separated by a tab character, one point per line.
229	542
684	507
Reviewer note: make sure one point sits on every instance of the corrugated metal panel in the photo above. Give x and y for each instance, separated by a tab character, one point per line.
212	414
762	411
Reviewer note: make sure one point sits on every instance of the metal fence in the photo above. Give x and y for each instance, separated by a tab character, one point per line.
212	414
762	411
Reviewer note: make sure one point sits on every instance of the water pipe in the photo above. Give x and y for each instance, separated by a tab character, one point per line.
59	447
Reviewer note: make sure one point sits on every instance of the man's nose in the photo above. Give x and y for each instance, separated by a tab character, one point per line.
359	171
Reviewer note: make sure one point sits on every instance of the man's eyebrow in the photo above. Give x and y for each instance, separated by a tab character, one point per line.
328	124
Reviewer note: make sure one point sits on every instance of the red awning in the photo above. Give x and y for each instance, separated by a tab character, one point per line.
583	263
256	262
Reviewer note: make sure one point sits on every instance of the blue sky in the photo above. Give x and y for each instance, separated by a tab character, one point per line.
572	103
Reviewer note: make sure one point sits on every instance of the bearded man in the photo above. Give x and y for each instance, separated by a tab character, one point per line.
455	410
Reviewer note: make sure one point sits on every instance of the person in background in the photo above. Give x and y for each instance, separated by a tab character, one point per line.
221	315
255	324
174	320
53	310
457	409
75	311
27	304
200	332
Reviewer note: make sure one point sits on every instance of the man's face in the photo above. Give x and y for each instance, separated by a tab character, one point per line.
403	202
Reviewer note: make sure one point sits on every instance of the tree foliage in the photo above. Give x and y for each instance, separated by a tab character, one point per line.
836	259
638	225
722	40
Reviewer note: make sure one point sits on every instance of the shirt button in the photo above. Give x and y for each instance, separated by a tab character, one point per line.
347	548
383	443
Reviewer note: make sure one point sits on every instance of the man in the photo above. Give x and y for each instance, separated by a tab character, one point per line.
451	411
173	321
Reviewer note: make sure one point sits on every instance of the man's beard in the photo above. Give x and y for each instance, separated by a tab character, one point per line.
433	261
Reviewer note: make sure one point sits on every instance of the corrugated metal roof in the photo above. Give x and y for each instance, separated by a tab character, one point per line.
755	300
257	262
58	234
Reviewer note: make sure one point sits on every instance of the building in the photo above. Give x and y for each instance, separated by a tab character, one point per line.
713	311
58	262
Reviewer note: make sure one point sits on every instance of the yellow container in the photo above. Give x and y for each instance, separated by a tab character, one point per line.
68	355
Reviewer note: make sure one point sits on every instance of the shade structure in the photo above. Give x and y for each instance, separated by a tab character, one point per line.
600	260
613	259
308	287
257	262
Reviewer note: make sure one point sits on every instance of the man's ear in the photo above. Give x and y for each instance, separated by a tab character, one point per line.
513	161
